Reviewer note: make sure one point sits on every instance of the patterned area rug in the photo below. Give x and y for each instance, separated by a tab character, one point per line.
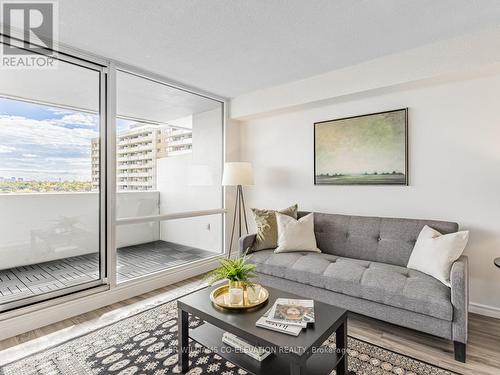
146	343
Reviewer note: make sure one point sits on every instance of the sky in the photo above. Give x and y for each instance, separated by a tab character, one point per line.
39	142
360	145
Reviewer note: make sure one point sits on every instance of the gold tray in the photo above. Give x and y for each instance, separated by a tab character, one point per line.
220	298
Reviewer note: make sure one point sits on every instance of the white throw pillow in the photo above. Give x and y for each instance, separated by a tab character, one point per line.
296	235
434	253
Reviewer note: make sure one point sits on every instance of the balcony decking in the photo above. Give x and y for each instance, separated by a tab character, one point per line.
132	261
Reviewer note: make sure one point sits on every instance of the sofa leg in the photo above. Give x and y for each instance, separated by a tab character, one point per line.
459	351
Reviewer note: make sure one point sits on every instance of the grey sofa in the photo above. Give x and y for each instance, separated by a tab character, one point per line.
362	268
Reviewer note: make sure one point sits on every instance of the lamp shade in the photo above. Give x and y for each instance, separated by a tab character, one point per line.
237	173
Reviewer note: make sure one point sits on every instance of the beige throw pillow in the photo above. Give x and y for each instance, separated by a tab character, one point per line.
296	235
434	253
267	229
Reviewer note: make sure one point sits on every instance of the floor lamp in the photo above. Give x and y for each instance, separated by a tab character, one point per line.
238	174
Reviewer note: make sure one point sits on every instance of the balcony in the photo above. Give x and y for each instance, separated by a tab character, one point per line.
180	142
132	262
133	150
134	165
148	156
127	140
134	174
50	241
176	152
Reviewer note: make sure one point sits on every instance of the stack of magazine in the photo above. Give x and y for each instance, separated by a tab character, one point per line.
288	316
243	346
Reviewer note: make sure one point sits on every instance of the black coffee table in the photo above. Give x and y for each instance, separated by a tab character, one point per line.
294	355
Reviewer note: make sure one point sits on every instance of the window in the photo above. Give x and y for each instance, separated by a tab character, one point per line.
58	198
174	140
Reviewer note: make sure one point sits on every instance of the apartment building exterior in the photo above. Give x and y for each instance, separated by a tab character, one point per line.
137	151
175	141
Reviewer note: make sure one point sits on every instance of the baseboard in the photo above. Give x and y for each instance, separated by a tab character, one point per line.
477	308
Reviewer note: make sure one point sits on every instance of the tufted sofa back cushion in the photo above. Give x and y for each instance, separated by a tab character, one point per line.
378	239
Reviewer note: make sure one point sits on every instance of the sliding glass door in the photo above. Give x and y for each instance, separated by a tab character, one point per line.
169	153
51	191
107	176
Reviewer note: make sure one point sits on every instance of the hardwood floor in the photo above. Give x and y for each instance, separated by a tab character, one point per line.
483	347
33	341
483	350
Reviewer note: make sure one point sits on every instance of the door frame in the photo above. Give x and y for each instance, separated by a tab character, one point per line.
100	284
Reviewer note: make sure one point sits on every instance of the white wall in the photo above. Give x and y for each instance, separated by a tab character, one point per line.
454	165
38	228
192	182
447	59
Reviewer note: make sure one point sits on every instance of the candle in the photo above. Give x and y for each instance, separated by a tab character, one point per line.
235	296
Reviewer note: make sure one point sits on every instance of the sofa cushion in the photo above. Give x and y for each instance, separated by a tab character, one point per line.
384	283
377	239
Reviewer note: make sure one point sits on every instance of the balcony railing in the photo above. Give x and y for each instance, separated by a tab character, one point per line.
40	227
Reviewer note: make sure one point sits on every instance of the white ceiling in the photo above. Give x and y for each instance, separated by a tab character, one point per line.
141	99
230	47
74	87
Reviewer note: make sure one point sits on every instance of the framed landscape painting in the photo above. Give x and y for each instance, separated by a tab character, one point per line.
362	150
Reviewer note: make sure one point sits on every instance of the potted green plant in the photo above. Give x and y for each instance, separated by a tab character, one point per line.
239	274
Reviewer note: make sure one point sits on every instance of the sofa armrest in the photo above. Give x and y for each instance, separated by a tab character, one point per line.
246	243
459	278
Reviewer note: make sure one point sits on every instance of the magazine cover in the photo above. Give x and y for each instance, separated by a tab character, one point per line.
292	311
289	329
